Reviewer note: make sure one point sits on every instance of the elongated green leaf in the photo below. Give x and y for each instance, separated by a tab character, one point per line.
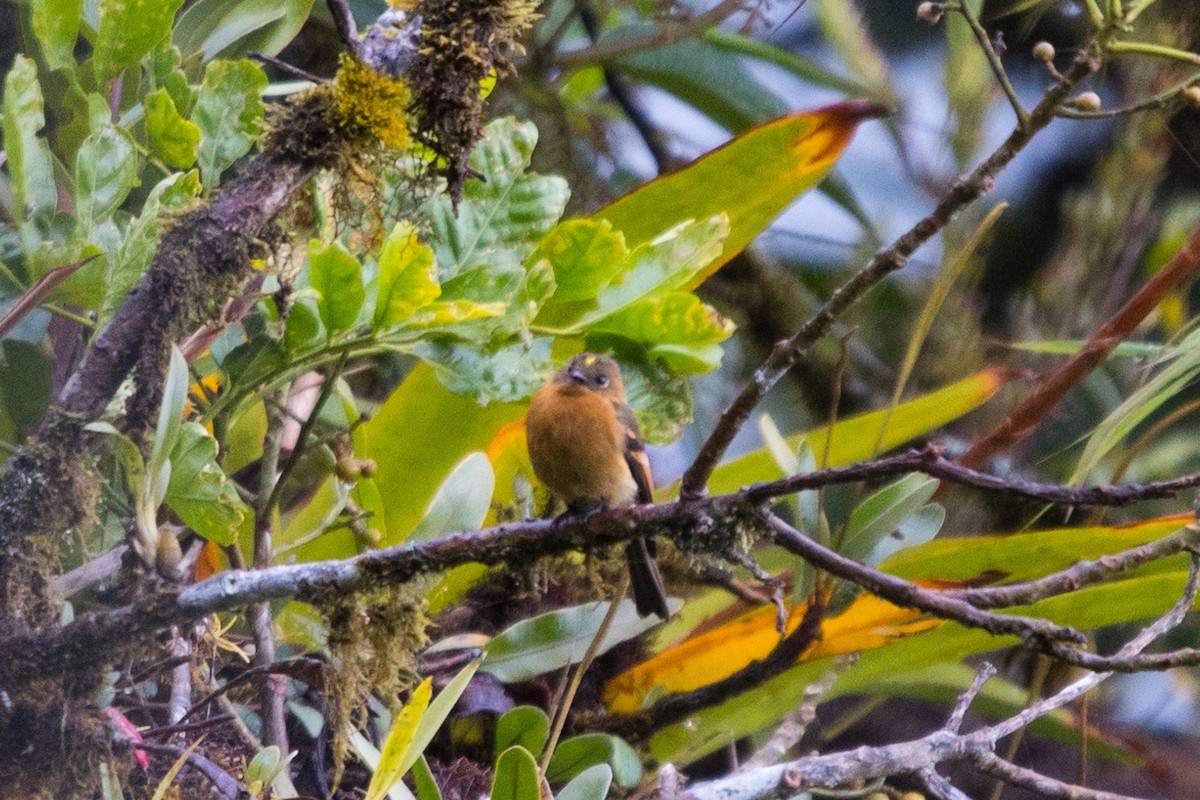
170	422
711	80
882	512
760	173
29	165
437	713
236	28
407	277
794	63
527	726
199	492
842	23
1183	365
516	776
461	502
857	438
173	138
337	277
128	30
427	788
553	640
56	26
229	114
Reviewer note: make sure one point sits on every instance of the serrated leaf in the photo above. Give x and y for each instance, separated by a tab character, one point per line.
500	217
505	374
56	25
337	277
407	277
199	491
553	640
661	402
229	114
585	254
128	30
516	776
172	138
676	327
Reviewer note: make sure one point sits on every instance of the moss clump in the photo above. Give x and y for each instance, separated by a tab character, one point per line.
463	42
373	640
366	103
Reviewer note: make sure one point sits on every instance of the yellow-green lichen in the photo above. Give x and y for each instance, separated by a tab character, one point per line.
368	103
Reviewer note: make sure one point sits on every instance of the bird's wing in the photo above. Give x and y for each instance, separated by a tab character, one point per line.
635	454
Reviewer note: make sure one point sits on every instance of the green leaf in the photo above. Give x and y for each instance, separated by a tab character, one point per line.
711	80
857	438
842	23
427	788
416	437
229	114
337	277
516	776
555	639
29	165
881	513
199	492
461	502
163	72
407	277
170	422
676	327
106	169
369	756
591	784
759	174
244	436
916	528
235	28
794	63
438	712
172	138
661	402
505	374
499	217
25	383
578	754
451	314
128	30
56	25
527	726
1183	367
303	324
586	255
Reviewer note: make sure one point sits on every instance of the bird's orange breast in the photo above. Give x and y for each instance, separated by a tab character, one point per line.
576	447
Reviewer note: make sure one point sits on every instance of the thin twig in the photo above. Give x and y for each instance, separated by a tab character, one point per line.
993	59
663	36
885	262
343	23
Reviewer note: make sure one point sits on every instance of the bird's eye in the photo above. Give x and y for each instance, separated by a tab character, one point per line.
602	380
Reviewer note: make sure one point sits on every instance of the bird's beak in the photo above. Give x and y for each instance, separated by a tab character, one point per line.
577	376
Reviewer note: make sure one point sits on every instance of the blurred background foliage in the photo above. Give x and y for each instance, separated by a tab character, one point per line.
439	321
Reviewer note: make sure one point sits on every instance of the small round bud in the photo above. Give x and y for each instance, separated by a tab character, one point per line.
1192	95
372	537
1085	101
878	796
367	467
347	469
930	12
912	796
1043	51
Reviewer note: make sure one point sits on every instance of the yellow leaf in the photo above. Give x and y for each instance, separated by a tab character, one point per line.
404	728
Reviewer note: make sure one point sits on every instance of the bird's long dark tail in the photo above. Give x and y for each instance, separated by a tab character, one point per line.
649	594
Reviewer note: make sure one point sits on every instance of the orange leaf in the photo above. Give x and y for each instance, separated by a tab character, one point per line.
752	179
867	623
